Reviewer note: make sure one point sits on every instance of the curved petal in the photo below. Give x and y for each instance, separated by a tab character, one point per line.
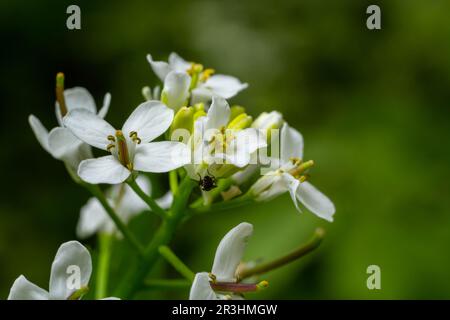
201	289
176	89
224	86
230	251
178	63
63	143
106	102
40	132
69	254
150	119
291	143
160	68
218	114
161	156
93	218
22	289
292	185
315	201
89	128
105	169
79	98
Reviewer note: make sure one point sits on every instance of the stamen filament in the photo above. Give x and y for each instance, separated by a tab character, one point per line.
296	172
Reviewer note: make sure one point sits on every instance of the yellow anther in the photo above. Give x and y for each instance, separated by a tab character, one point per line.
206	74
110	146
262	285
134	137
111	138
212	277
195	68
303	178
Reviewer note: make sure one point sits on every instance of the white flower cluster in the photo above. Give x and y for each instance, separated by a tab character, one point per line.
189	130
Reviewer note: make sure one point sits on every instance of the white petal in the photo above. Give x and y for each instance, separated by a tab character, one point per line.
291	143
22	289
150	119
93	218
269	186
111	298
201	289
218	114
131	203
161	156
63	143
106	102
230	252
178	63
79	98
160	68
166	200
89	128
224	86
176	89
69	254
105	169
39	131
315	201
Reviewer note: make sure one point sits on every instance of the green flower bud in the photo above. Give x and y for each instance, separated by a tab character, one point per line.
184	119
235	111
242	121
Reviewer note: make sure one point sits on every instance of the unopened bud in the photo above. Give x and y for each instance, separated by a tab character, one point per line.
184	119
242	121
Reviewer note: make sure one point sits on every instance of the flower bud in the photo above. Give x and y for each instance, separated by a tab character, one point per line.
242	121
184	119
235	111
268	121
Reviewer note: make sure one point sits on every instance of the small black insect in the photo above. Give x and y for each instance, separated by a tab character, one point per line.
207	183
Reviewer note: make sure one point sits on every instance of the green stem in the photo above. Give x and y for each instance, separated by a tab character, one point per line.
133	280
162	284
97	192
312	244
173	181
225	205
101	288
176	262
147	199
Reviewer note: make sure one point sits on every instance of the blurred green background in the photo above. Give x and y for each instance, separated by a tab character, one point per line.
373	107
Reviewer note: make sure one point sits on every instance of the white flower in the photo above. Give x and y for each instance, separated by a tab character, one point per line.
70	255
175	93
288	177
60	142
127	204
223	275
215	146
204	84
130	148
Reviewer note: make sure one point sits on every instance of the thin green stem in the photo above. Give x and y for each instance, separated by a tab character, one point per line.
167	284
105	243
173	181
147	199
176	262
133	280
225	205
312	244
128	235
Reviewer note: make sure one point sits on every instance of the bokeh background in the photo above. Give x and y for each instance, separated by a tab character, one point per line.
373	107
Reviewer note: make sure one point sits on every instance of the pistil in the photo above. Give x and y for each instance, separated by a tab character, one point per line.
300	168
122	150
60	93
238	287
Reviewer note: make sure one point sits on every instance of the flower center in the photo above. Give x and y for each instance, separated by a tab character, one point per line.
198	73
300	168
119	141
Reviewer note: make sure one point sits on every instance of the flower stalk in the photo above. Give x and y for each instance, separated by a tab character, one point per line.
147	199
310	246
